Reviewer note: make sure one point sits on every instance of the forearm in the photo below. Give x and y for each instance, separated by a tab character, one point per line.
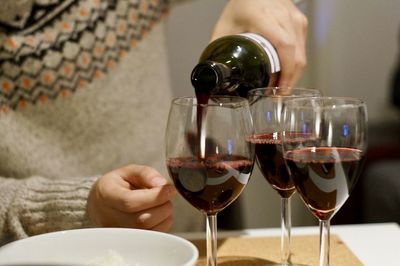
38	205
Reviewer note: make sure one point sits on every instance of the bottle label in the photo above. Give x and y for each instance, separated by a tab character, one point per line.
268	48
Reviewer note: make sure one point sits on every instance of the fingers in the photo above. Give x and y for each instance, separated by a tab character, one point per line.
286	48
142	199
279	21
158	218
226	25
150	189
114	201
288	35
301	30
141	176
164	226
282	37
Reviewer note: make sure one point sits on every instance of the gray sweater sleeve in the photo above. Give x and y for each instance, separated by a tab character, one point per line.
38	205
177	2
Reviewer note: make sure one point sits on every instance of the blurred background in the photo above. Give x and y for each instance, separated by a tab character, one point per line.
353	50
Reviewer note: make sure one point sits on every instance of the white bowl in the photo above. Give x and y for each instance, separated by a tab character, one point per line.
101	246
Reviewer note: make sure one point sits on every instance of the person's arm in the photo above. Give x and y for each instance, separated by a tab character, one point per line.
38	205
132	196
280	21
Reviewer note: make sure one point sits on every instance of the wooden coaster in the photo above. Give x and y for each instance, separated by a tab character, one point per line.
261	251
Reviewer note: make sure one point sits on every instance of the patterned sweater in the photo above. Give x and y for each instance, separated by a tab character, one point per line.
84	89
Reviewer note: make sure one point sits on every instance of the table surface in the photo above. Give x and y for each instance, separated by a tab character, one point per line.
373	244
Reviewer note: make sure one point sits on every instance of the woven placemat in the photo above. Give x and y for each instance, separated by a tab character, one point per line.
261	251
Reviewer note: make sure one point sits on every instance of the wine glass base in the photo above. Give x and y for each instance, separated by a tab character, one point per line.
243	261
236	261
280	264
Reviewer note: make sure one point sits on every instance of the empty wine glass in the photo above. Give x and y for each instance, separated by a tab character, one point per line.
209	157
326	157
266	109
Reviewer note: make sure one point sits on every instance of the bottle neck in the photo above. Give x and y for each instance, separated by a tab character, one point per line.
211	77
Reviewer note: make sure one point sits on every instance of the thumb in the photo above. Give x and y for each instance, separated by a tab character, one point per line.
141	176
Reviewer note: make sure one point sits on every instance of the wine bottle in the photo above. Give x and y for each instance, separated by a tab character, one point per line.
234	64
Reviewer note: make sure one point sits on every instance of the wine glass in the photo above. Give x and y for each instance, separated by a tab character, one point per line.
326	157
266	109
209	157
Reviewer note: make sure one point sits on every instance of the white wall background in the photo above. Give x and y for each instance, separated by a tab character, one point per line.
355	45
352	48
190	26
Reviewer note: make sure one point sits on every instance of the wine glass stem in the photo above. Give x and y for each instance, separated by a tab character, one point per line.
324	242
211	232
286	224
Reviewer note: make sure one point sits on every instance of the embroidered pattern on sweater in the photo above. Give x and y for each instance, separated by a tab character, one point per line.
54	47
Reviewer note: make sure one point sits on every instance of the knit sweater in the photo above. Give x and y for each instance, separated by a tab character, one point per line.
84	89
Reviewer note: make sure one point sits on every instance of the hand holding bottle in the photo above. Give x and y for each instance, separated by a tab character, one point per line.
279	21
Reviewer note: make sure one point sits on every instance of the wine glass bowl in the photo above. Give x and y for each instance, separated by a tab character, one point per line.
266	106
326	165
212	184
208	155
325	176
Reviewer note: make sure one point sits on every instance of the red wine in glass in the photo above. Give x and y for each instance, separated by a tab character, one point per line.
268	149
212	183
270	160
324	176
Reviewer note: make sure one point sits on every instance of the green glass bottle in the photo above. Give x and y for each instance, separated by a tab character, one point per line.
235	64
